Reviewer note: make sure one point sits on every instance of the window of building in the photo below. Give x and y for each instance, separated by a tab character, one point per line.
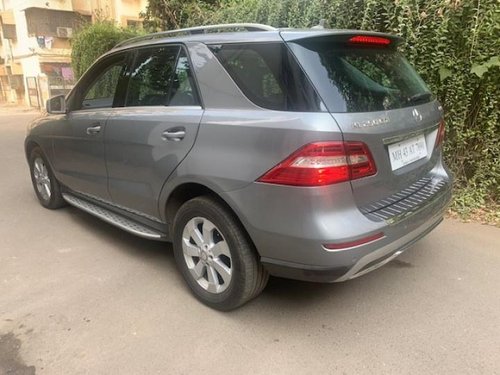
134	24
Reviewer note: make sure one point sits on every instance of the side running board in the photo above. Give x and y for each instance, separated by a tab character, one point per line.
113	218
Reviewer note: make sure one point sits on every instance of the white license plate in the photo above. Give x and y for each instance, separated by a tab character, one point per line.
407	152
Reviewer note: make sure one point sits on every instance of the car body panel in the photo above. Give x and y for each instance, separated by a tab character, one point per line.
234	148
298	221
138	156
396	125
216	87
79	156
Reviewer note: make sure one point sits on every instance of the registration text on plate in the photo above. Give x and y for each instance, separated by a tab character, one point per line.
406	152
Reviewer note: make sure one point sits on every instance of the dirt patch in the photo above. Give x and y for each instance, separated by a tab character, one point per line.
10	361
487	215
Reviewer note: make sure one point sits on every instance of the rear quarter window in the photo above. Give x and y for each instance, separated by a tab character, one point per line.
268	75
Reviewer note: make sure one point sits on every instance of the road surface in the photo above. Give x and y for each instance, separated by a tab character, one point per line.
78	296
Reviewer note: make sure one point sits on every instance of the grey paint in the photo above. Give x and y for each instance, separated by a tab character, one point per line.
400	122
79	156
229	143
295	222
138	156
234	148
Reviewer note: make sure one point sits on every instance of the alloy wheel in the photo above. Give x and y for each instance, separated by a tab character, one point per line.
42	178
207	255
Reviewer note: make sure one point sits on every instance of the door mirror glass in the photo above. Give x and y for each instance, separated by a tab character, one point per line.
56	105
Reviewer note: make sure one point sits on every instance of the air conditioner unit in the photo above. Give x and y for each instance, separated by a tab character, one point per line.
64	32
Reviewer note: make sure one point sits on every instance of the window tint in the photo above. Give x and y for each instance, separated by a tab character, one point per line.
183	91
151	76
161	76
360	78
101	91
268	75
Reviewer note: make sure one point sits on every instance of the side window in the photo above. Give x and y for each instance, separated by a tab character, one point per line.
101	91
268	75
150	79
183	91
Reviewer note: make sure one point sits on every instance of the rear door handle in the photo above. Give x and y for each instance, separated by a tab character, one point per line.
174	134
93	130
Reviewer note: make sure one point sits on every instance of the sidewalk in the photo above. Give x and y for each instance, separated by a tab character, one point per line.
12	108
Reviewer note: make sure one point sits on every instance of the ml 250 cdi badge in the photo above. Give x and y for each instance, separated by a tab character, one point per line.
308	154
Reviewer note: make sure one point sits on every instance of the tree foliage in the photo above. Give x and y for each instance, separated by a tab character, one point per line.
92	40
163	15
453	44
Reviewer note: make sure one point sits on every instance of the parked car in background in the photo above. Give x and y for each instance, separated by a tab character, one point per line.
307	154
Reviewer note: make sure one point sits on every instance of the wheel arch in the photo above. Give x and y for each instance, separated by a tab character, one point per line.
29	145
189	190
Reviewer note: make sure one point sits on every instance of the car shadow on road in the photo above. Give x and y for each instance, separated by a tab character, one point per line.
279	293
148	250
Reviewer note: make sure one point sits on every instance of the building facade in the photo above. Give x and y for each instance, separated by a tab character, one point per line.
35	43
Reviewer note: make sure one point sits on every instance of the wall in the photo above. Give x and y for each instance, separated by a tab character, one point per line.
27	53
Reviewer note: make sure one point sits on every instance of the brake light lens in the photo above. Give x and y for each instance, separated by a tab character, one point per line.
323	163
372	40
440	134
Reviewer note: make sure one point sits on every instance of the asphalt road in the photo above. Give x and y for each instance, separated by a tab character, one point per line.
78	296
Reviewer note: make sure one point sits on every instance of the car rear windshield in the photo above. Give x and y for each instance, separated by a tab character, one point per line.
360	78
268	75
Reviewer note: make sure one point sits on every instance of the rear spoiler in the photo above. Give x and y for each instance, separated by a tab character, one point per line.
354	37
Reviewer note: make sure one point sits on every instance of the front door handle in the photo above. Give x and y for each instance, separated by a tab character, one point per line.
93	130
174	134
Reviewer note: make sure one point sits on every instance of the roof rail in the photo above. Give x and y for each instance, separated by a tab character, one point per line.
198	30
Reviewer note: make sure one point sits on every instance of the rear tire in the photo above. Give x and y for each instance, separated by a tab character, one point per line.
215	255
47	188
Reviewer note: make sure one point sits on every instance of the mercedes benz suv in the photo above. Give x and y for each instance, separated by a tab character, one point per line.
306	154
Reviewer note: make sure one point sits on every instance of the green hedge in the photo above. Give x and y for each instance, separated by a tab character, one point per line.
453	44
92	40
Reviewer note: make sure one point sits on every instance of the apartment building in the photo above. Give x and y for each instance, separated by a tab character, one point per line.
35	43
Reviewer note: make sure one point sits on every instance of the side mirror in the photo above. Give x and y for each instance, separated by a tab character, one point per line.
56	105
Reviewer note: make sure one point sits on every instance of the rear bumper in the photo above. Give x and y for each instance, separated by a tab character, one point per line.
368	263
289	227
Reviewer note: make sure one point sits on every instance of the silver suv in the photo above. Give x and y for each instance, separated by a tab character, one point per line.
307	154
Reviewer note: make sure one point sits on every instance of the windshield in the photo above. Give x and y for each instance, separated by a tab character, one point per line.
359	78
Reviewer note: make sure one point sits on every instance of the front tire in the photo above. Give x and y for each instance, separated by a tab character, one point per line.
47	188
215	255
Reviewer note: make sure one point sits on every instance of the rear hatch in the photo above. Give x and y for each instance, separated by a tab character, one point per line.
376	97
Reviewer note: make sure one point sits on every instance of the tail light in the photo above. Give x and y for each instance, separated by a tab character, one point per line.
323	163
440	134
372	40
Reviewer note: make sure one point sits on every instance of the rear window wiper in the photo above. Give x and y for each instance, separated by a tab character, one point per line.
422	96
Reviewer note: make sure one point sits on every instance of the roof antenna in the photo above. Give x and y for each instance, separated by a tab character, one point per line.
322	24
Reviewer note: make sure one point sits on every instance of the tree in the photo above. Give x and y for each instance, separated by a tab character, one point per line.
161	15
93	40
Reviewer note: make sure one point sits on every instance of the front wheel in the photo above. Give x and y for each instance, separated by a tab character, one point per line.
215	255
47	188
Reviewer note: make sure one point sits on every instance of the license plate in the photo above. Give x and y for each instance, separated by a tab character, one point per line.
407	152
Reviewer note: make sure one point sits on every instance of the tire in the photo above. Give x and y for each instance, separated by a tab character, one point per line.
219	241
47	188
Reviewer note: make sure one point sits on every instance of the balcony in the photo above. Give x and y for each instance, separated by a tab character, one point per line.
53	23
